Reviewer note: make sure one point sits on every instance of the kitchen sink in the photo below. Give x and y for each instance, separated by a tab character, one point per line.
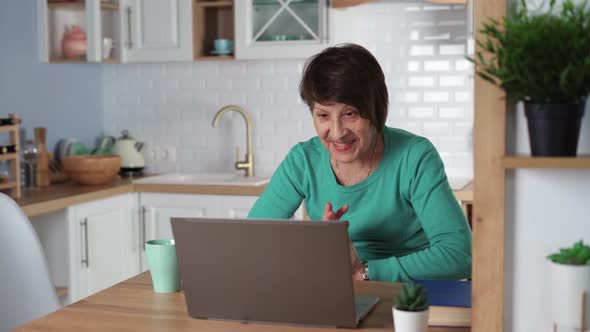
218	179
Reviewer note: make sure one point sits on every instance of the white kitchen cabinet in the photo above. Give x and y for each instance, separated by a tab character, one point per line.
157	209
278	29
140	30
97	19
103	244
155	31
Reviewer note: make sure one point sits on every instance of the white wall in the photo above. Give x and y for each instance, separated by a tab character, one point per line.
420	47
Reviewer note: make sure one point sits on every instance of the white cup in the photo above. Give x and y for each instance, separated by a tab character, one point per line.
107	47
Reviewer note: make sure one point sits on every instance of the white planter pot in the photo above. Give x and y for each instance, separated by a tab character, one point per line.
568	282
410	321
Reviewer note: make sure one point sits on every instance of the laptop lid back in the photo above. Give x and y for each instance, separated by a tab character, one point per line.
266	270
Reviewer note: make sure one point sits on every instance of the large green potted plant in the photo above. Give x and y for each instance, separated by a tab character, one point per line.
410	312
570	285
543	60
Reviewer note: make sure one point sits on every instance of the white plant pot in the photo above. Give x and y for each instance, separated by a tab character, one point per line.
410	321
568	282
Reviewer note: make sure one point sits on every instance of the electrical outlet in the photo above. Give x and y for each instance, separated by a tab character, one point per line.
151	152
167	153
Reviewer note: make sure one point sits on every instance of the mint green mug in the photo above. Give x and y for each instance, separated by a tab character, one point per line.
163	264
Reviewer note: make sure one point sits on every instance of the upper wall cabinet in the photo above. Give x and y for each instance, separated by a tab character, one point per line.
74	31
267	29
349	3
157	30
114	30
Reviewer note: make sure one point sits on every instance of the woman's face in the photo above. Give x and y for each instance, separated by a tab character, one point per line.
343	132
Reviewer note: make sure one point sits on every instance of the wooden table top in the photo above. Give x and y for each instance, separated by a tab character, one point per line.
132	305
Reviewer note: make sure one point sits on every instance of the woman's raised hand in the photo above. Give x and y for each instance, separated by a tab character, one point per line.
329	214
357	265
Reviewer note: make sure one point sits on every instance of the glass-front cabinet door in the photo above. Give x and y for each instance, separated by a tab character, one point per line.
267	29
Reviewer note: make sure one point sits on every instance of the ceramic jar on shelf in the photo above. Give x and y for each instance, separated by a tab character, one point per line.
74	43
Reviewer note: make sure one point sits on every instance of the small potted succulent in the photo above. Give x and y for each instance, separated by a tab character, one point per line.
410	312
570	285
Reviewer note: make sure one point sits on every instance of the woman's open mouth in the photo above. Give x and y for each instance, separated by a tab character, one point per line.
342	147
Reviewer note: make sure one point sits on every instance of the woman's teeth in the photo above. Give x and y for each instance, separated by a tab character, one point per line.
342	146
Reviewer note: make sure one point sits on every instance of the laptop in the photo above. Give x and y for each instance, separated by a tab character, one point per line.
280	271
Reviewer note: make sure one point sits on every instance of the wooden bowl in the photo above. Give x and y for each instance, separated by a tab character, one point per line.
92	169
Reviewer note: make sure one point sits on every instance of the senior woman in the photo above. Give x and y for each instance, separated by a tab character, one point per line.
404	220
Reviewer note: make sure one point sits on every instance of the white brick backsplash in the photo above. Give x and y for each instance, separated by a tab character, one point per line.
411	97
439	36
234	97
260	68
421	50
420	47
451	112
274	83
420	81
232	70
413	66
433	97
458	49
452	81
454	145
420	112
438	128
218	83
462	96
461	65
436	65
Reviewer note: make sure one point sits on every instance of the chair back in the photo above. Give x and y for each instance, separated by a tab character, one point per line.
26	290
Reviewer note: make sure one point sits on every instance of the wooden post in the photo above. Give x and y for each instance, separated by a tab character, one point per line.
489	190
583	316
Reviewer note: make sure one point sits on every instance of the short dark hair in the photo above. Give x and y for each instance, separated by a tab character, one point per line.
348	74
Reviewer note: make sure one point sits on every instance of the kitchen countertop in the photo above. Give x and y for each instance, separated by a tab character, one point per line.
38	201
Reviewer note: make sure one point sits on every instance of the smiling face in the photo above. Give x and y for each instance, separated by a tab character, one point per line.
346	135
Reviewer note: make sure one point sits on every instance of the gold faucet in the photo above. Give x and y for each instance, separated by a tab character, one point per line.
248	164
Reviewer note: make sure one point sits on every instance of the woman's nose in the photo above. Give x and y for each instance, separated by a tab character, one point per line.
337	130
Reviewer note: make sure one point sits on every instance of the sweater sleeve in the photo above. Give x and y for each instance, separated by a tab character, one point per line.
284	193
448	255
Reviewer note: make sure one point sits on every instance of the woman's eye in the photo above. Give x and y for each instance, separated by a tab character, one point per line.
350	114
322	115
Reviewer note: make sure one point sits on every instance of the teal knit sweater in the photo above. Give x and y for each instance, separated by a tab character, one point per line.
403	219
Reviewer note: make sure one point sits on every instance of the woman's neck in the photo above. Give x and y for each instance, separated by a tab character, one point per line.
348	174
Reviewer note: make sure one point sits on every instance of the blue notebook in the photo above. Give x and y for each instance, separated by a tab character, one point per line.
447	293
450	302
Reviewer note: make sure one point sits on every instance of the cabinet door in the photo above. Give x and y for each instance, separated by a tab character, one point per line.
157	209
157	30
95	18
104	244
268	29
234	206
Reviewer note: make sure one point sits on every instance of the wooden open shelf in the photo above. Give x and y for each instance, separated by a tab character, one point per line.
223	3
9	156
7	185
215	58
12	186
61	291
79	5
581	162
7	128
64	60
211	20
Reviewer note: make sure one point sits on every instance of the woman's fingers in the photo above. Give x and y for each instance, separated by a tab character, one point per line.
329	214
341	211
